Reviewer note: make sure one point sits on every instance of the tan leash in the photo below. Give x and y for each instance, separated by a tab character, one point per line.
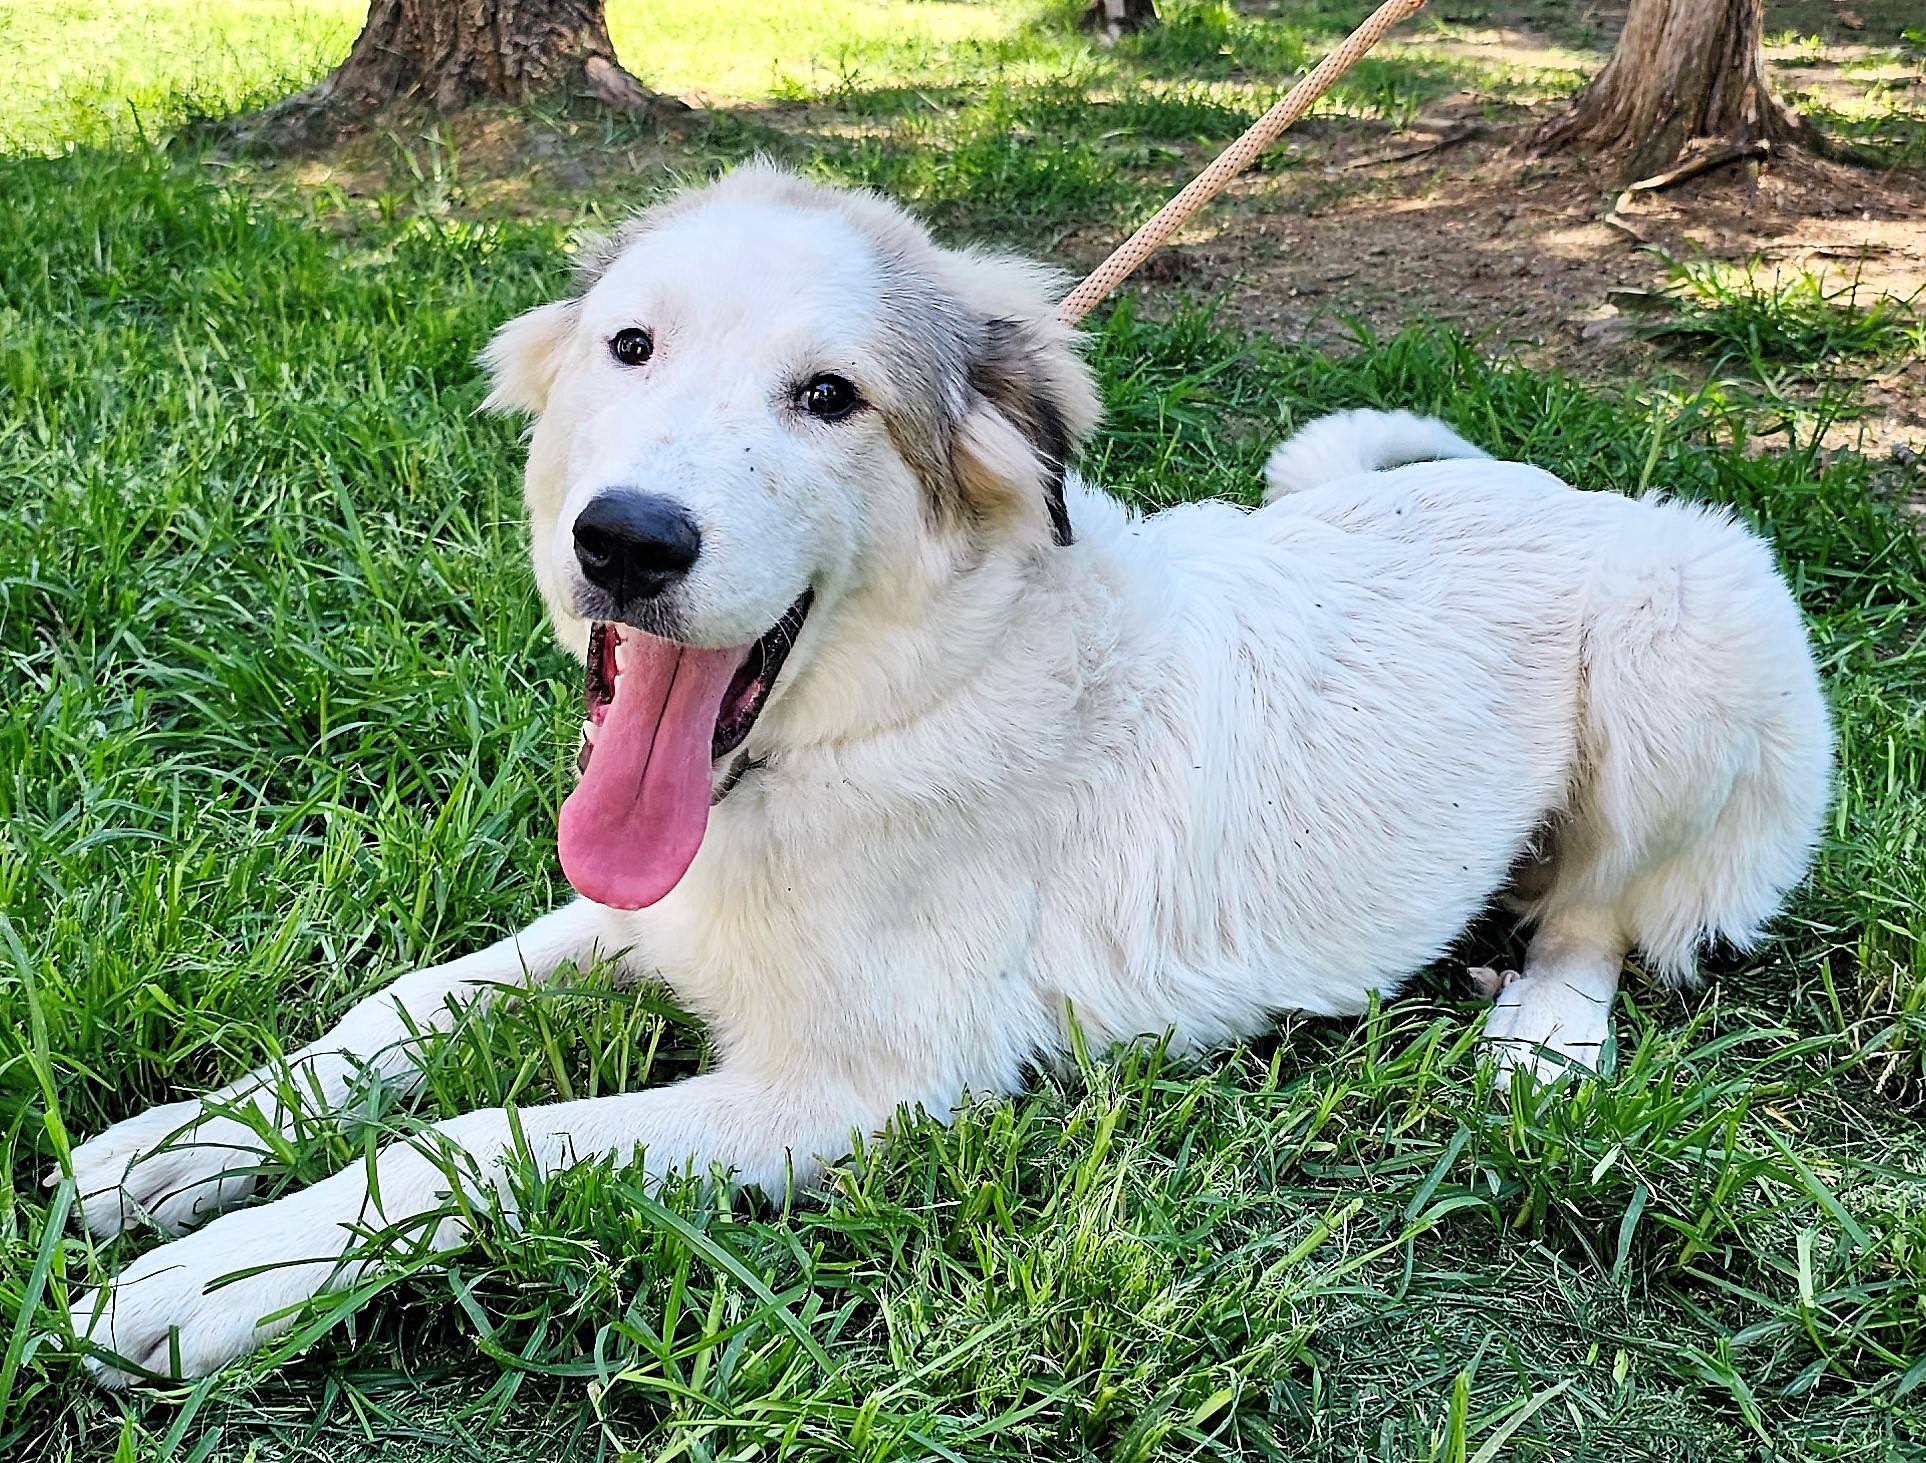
1232	161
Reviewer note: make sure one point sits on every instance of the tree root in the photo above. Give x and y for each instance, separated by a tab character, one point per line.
617	88
1450	137
1716	156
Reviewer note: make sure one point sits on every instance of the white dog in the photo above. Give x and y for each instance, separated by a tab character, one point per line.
906	747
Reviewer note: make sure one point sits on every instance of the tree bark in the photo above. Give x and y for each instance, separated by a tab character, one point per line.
1112	19
1683	70
450	54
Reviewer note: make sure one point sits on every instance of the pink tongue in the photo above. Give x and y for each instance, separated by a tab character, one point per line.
632	826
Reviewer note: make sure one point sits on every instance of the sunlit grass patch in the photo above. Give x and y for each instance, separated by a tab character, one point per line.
95	71
90	71
1887	128
1746	316
764	48
1872	106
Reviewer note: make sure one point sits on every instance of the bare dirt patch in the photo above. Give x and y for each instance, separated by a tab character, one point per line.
1534	255
1454	219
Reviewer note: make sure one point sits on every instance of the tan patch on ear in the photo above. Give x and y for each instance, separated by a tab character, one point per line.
997	469
524	355
1031	376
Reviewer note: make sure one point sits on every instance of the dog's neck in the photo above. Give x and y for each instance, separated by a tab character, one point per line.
899	653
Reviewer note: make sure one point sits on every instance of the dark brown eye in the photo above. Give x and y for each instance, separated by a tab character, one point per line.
829	398
632	347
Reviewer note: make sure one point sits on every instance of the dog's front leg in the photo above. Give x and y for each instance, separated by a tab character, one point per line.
173	1312
182	1162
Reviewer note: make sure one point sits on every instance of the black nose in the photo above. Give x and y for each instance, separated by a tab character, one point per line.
635	545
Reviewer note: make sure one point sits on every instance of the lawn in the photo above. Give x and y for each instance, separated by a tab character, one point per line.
280	721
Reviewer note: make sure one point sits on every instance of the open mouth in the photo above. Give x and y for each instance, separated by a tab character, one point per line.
660	715
742	701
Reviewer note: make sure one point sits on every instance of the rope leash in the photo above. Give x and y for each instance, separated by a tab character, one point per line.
1233	160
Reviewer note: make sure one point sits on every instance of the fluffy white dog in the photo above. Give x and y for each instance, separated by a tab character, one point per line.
904	744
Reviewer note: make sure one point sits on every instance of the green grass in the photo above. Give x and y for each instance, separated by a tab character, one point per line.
1740	318
92	71
280	721
1879	116
101	70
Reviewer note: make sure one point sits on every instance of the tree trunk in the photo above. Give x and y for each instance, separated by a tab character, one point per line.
449	54
1683	70
1112	19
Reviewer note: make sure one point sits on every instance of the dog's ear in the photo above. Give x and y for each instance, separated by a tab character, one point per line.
1034	402
523	356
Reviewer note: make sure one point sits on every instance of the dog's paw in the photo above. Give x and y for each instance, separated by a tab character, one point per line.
172	1165
175	1313
1488	981
1545	1024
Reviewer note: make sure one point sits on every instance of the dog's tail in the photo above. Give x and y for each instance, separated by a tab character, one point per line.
1348	442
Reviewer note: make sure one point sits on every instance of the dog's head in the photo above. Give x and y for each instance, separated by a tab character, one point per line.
767	400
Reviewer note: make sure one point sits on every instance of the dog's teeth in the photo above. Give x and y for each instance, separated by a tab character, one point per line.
588	732
621	652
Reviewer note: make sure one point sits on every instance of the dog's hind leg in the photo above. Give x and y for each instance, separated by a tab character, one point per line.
1704	759
182	1162
1556	1015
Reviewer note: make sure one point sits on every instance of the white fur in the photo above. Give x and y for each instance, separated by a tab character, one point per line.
1178	776
1348	442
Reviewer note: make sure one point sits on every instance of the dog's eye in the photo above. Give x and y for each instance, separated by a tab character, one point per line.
632	347
829	398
